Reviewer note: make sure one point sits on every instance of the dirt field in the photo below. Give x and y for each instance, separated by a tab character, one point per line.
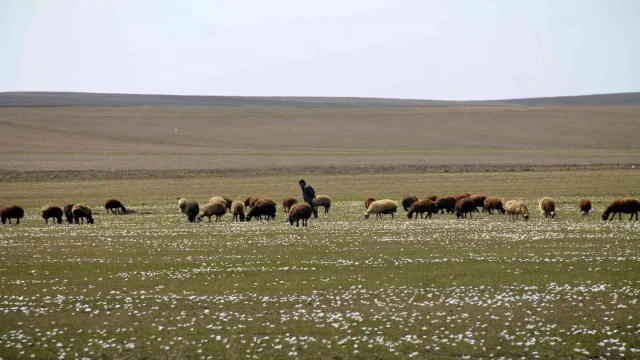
175	138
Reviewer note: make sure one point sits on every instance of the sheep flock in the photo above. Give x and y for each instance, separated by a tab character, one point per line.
297	212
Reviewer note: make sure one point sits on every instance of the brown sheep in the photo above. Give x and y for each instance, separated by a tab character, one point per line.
619	206
255	199
67	213
113	205
479	201
421	207
191	209
465	206
237	209
322	200
547	207
493	203
288	202
229	202
213	208
432	198
459	196
585	206
300	211
407	201
368	202
263	207
11	212
247	201
447	203
51	211
80	212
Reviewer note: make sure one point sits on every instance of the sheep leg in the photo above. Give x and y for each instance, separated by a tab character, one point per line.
620	216
470	215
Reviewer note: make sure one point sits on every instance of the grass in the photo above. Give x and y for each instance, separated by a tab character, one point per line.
150	285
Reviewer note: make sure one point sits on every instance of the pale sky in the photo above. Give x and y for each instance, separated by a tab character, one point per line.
448	50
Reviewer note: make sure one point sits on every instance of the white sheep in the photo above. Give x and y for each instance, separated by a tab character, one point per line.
214	208
515	208
380	207
182	204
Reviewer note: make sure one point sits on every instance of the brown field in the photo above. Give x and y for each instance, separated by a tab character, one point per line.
172	138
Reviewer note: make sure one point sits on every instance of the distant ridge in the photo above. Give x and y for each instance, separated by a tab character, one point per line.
123	100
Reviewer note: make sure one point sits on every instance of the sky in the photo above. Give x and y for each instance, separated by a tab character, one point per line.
444	50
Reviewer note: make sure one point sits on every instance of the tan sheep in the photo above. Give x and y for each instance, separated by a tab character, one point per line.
182	204
380	207
547	207
219	199
213	208
322	200
515	208
237	209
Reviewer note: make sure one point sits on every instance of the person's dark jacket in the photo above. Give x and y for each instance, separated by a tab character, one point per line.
308	194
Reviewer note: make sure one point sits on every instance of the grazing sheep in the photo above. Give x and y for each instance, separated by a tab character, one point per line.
421	207
432	198
263	207
219	199
191	209
247	201
380	207
216	208
51	211
67	213
493	203
479	201
322	200
182	204
300	211
113	205
458	196
237	209
515	208
547	207
619	206
447	203
407	201
368	202
255	199
11	212
288	202
81	212
585	206
465	206
229	202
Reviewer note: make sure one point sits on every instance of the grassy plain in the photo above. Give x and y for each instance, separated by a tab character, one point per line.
150	285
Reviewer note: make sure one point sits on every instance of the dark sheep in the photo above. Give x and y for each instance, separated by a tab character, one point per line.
465	206
288	202
81	212
407	201
228	202
263	207
50	211
619	206
479	201
192	209
255	199
114	205
493	203
11	212
300	211
585	206
421	207
67	213
446	203
368	202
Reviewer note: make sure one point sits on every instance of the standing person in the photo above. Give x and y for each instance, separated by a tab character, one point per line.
308	194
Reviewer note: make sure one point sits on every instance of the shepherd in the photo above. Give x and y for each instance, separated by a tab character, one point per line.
308	194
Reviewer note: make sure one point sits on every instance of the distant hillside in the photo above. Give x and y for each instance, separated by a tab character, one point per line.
94	99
